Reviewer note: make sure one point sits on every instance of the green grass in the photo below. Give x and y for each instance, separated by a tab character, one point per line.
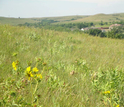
102	17
91	58
16	21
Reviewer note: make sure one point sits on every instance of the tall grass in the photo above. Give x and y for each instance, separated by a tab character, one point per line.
70	65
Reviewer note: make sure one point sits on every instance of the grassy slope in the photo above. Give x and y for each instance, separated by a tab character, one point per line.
98	18
60	50
16	21
66	19
102	17
103	51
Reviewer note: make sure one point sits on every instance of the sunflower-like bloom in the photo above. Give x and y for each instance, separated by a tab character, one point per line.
29	75
14	66
35	69
28	72
28	69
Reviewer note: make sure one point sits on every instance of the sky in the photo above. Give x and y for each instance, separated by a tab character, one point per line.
55	8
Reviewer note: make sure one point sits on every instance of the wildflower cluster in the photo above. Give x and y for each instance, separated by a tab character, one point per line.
32	73
14	65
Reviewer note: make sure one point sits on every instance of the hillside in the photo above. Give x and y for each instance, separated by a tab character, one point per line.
66	19
16	21
49	68
102	17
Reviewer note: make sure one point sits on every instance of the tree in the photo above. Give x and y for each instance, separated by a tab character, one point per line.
96	32
116	32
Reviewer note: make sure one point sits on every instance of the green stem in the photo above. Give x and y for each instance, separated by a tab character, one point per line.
32	94
43	69
35	87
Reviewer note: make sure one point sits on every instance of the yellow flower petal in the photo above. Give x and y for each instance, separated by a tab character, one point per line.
35	69
107	92
118	105
28	69
14	66
39	76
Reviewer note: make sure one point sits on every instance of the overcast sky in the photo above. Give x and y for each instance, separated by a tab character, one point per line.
48	8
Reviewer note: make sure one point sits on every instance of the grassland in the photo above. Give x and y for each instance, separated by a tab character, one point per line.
16	21
102	17
66	19
78	70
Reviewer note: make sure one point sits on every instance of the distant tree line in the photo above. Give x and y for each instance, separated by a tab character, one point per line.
96	32
113	22
51	24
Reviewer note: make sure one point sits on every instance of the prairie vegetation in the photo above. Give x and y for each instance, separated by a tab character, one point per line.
67	19
16	21
45	68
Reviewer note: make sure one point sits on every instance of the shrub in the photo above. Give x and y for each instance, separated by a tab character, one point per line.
116	32
96	32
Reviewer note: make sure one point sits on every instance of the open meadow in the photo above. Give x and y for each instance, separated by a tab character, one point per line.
45	68
66	19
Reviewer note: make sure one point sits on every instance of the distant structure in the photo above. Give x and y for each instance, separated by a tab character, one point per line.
82	29
103	29
114	25
85	29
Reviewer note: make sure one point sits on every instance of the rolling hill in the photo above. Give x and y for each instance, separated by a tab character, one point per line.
66	19
102	17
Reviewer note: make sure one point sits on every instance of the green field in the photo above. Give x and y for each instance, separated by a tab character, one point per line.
16	21
77	70
103	17
66	19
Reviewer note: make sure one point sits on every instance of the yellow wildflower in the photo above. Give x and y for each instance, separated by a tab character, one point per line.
14	66
28	69
28	72
39	76
118	105
29	75
35	69
107	92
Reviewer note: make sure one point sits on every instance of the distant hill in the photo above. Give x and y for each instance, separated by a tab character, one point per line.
16	21
102	17
66	19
